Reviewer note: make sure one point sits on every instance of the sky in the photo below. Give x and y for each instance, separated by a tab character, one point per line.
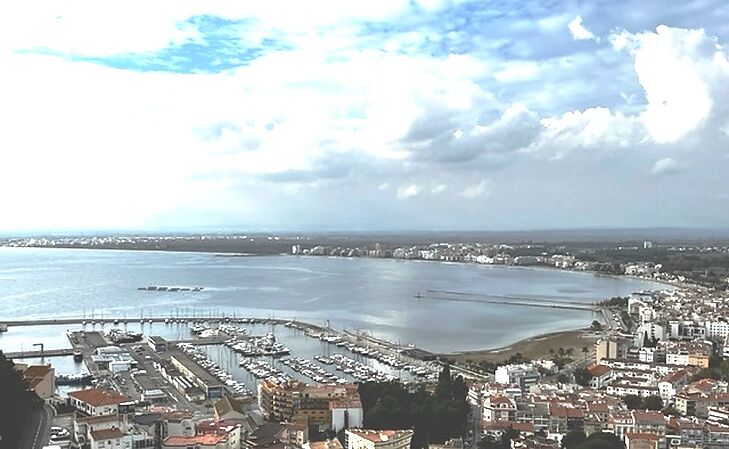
363	116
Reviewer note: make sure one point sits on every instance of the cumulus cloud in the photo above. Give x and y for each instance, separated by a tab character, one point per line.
483	188
408	191
337	99
665	166
578	31
682	72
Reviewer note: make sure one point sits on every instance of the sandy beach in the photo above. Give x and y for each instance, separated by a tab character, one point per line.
532	347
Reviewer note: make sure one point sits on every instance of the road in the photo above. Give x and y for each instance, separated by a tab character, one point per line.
474	427
38	429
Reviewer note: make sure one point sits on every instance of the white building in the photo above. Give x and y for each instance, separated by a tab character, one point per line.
677	357
96	402
717	329
110	438
524	375
378	439
646	354
346	414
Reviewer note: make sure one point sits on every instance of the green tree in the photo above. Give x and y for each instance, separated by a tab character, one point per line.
601	440
573	438
582	377
502	443
434	417
632	402
653	402
16	403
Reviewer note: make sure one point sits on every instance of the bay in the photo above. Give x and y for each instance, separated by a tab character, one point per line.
373	295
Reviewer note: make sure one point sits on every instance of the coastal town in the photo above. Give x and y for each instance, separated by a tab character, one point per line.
652	370
413	224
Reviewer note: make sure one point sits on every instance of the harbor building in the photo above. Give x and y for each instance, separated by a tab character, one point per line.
157	343
209	384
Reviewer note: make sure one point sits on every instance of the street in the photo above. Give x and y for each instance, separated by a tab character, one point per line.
473	428
38	428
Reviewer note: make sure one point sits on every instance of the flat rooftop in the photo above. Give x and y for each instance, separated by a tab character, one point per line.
197	370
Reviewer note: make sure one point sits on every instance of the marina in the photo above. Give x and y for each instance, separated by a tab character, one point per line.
225	354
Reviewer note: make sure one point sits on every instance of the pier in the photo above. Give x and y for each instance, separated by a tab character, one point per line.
39	354
444	295
117	321
70	351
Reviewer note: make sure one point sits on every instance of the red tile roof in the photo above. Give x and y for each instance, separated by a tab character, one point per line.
675	376
567	412
599	370
648	417
37	371
378	436
106	434
503	425
99	419
327	444
641	436
96	397
597	407
208	439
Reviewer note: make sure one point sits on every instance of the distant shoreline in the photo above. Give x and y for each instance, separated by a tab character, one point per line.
224	253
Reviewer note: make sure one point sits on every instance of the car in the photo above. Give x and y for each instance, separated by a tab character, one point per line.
59	433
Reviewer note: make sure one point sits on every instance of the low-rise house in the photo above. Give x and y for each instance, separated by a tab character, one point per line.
671	383
563	419
205	441
625	387
110	438
82	426
40	378
718	415
601	375
635	440
96	401
534	442
651	422
229	430
716	437
296	433
178	423
534	413
326	444
499	408
378	439
229	408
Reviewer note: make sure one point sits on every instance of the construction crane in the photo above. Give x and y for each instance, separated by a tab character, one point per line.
41	351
